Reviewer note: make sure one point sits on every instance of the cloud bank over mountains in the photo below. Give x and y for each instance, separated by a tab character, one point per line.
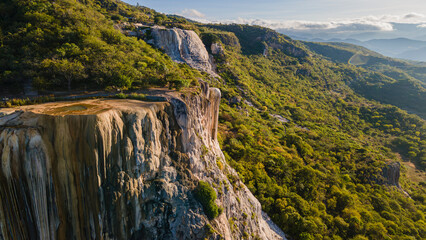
410	25
342	25
399	36
368	23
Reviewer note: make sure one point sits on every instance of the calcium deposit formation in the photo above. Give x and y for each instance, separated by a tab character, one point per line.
121	169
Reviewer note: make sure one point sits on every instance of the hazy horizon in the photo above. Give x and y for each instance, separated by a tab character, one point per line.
309	18
275	10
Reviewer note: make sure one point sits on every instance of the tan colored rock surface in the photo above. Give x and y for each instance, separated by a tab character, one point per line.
119	169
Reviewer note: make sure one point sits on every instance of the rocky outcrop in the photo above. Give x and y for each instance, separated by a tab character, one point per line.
391	174
121	169
183	46
287	45
217	49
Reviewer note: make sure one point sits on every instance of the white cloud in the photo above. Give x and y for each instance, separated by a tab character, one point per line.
406	18
192	13
381	23
414	16
337	26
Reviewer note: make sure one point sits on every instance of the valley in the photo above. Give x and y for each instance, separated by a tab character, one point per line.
219	131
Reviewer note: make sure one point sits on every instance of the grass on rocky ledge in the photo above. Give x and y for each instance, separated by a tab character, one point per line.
206	195
136	96
16	102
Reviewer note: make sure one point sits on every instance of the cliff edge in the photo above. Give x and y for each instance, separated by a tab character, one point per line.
121	169
183	46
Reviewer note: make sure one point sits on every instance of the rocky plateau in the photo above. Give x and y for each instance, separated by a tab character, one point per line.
121	169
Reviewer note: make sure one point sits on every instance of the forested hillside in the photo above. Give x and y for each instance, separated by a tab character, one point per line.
312	149
73	45
308	133
401	83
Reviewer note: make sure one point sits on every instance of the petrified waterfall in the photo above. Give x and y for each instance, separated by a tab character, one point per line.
391	174
120	169
183	46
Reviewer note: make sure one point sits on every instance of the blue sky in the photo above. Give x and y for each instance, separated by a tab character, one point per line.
279	10
317	18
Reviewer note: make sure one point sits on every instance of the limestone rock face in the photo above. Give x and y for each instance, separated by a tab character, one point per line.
391	174
217	49
120	169
183	46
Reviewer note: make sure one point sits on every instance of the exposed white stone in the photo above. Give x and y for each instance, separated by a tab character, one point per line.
183	46
120	169
217	48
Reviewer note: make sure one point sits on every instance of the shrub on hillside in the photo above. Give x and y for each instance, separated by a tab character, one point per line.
206	195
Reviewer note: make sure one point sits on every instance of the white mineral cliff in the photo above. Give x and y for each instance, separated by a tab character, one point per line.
120	169
183	46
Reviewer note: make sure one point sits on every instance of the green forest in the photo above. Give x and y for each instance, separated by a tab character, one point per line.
73	45
308	132
318	174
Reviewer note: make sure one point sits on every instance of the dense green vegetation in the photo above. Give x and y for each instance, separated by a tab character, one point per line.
206	195
308	133
68	45
319	174
404	79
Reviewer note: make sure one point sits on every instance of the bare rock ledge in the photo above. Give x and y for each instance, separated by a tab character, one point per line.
120	169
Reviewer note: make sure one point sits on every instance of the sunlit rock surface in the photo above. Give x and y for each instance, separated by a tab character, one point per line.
183	46
120	169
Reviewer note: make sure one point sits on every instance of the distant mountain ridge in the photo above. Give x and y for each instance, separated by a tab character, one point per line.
405	40
397	47
310	128
404	79
403	48
416	54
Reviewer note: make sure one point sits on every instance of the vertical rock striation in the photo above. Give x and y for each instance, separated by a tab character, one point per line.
120	169
183	46
391	174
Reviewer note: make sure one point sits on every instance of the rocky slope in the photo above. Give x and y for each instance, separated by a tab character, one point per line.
121	169
391	173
